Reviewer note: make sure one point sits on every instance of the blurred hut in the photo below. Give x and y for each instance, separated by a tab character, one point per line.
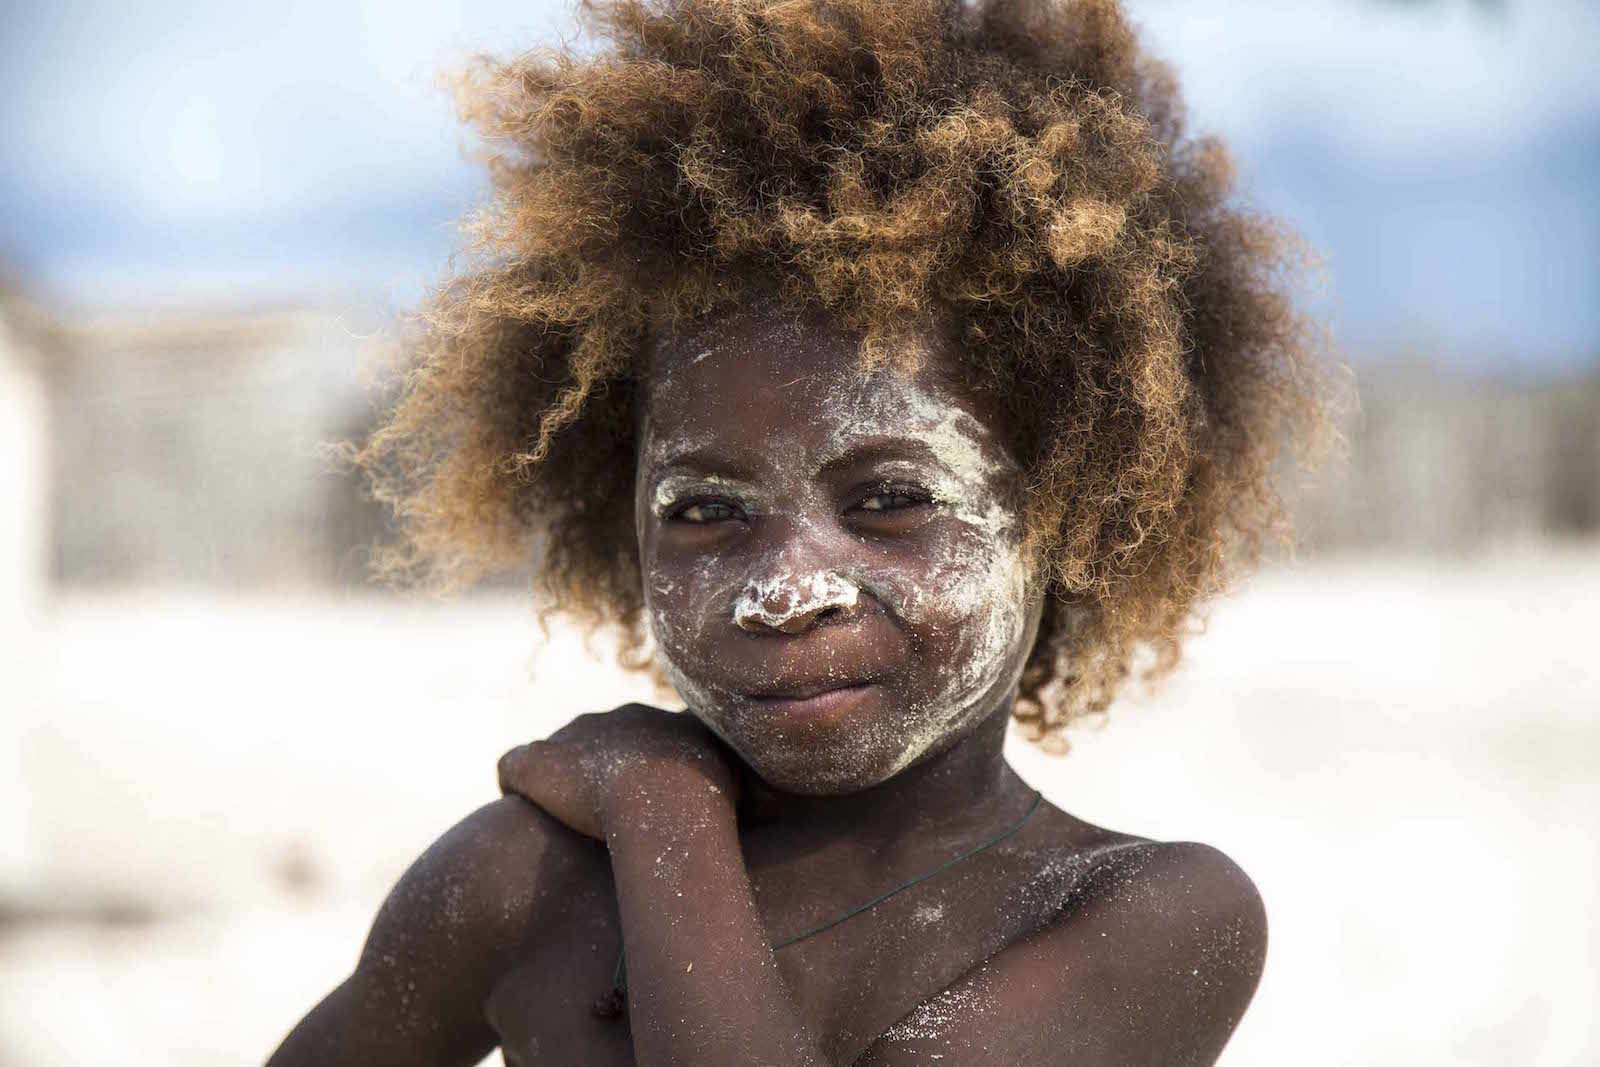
1442	461
27	344
189	448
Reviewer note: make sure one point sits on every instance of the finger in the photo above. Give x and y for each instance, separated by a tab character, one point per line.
547	775
514	767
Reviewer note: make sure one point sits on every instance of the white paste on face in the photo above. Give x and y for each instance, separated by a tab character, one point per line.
675	487
978	583
778	600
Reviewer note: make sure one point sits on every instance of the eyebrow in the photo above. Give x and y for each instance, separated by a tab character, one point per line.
869	449
875	448
703	460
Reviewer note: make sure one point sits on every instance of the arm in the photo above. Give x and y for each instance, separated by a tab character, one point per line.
703	986
441	939
1153	963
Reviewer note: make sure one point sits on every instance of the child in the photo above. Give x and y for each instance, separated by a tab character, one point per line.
889	370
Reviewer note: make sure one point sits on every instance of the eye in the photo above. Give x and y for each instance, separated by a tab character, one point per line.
894	498
703	512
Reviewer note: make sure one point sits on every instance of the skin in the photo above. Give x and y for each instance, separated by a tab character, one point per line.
833	586
873	544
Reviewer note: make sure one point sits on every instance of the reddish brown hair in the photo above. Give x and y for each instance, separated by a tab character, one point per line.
1022	164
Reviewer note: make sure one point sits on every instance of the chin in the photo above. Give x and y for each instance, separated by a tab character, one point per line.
823	769
834	756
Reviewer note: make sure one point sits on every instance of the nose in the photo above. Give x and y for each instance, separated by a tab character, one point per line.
792	604
793	623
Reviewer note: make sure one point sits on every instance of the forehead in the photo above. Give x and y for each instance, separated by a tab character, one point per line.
772	377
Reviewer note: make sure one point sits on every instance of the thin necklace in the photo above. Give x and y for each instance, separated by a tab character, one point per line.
615	1000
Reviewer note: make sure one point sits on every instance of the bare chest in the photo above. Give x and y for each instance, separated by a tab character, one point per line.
850	982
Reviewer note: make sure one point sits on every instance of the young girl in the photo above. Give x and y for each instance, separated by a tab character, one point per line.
889	370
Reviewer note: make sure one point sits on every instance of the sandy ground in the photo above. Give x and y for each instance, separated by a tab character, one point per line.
205	799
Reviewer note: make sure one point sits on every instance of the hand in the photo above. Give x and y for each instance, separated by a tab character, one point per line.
579	769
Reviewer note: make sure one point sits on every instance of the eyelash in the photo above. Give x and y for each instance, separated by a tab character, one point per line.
675	513
913	494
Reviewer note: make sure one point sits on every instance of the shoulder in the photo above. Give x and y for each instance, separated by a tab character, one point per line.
1100	874
1179	932
1177	915
481	889
1152	955
459	917
1166	883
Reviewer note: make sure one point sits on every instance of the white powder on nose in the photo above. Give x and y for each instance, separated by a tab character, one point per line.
782	598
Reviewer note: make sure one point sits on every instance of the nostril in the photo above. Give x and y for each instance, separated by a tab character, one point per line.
788	605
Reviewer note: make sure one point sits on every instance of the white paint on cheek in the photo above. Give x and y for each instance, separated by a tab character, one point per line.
695	695
991	596
980	591
781	598
948	432
669	644
979	583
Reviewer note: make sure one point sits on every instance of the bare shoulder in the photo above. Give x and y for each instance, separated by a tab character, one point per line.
1105	875
1159	884
484	878
464	912
1152	955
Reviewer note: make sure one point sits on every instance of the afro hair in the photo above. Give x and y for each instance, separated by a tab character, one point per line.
1020	163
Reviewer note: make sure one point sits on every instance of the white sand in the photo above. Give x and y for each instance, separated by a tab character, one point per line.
257	771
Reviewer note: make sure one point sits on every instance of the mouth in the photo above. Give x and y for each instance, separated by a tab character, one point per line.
820	699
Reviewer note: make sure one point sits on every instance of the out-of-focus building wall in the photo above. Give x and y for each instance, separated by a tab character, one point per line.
1444	462
190	448
25	346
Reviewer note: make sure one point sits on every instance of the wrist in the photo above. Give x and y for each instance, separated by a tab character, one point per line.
658	796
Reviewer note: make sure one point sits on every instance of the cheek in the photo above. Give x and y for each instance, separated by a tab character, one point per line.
967	608
685	604
677	630
959	593
994	600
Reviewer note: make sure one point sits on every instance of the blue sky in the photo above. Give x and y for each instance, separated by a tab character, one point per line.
1443	155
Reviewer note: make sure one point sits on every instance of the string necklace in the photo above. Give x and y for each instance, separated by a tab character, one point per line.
615	1000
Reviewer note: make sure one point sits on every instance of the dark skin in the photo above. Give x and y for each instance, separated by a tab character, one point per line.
701	839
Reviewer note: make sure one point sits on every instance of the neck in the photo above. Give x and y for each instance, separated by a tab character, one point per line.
965	783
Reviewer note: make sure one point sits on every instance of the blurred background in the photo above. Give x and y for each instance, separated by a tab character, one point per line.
219	745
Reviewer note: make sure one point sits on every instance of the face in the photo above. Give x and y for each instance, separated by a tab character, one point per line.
831	561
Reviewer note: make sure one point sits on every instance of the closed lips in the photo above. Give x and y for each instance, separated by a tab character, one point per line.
794	667
806	692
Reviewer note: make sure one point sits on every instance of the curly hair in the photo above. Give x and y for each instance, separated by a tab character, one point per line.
1020	163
